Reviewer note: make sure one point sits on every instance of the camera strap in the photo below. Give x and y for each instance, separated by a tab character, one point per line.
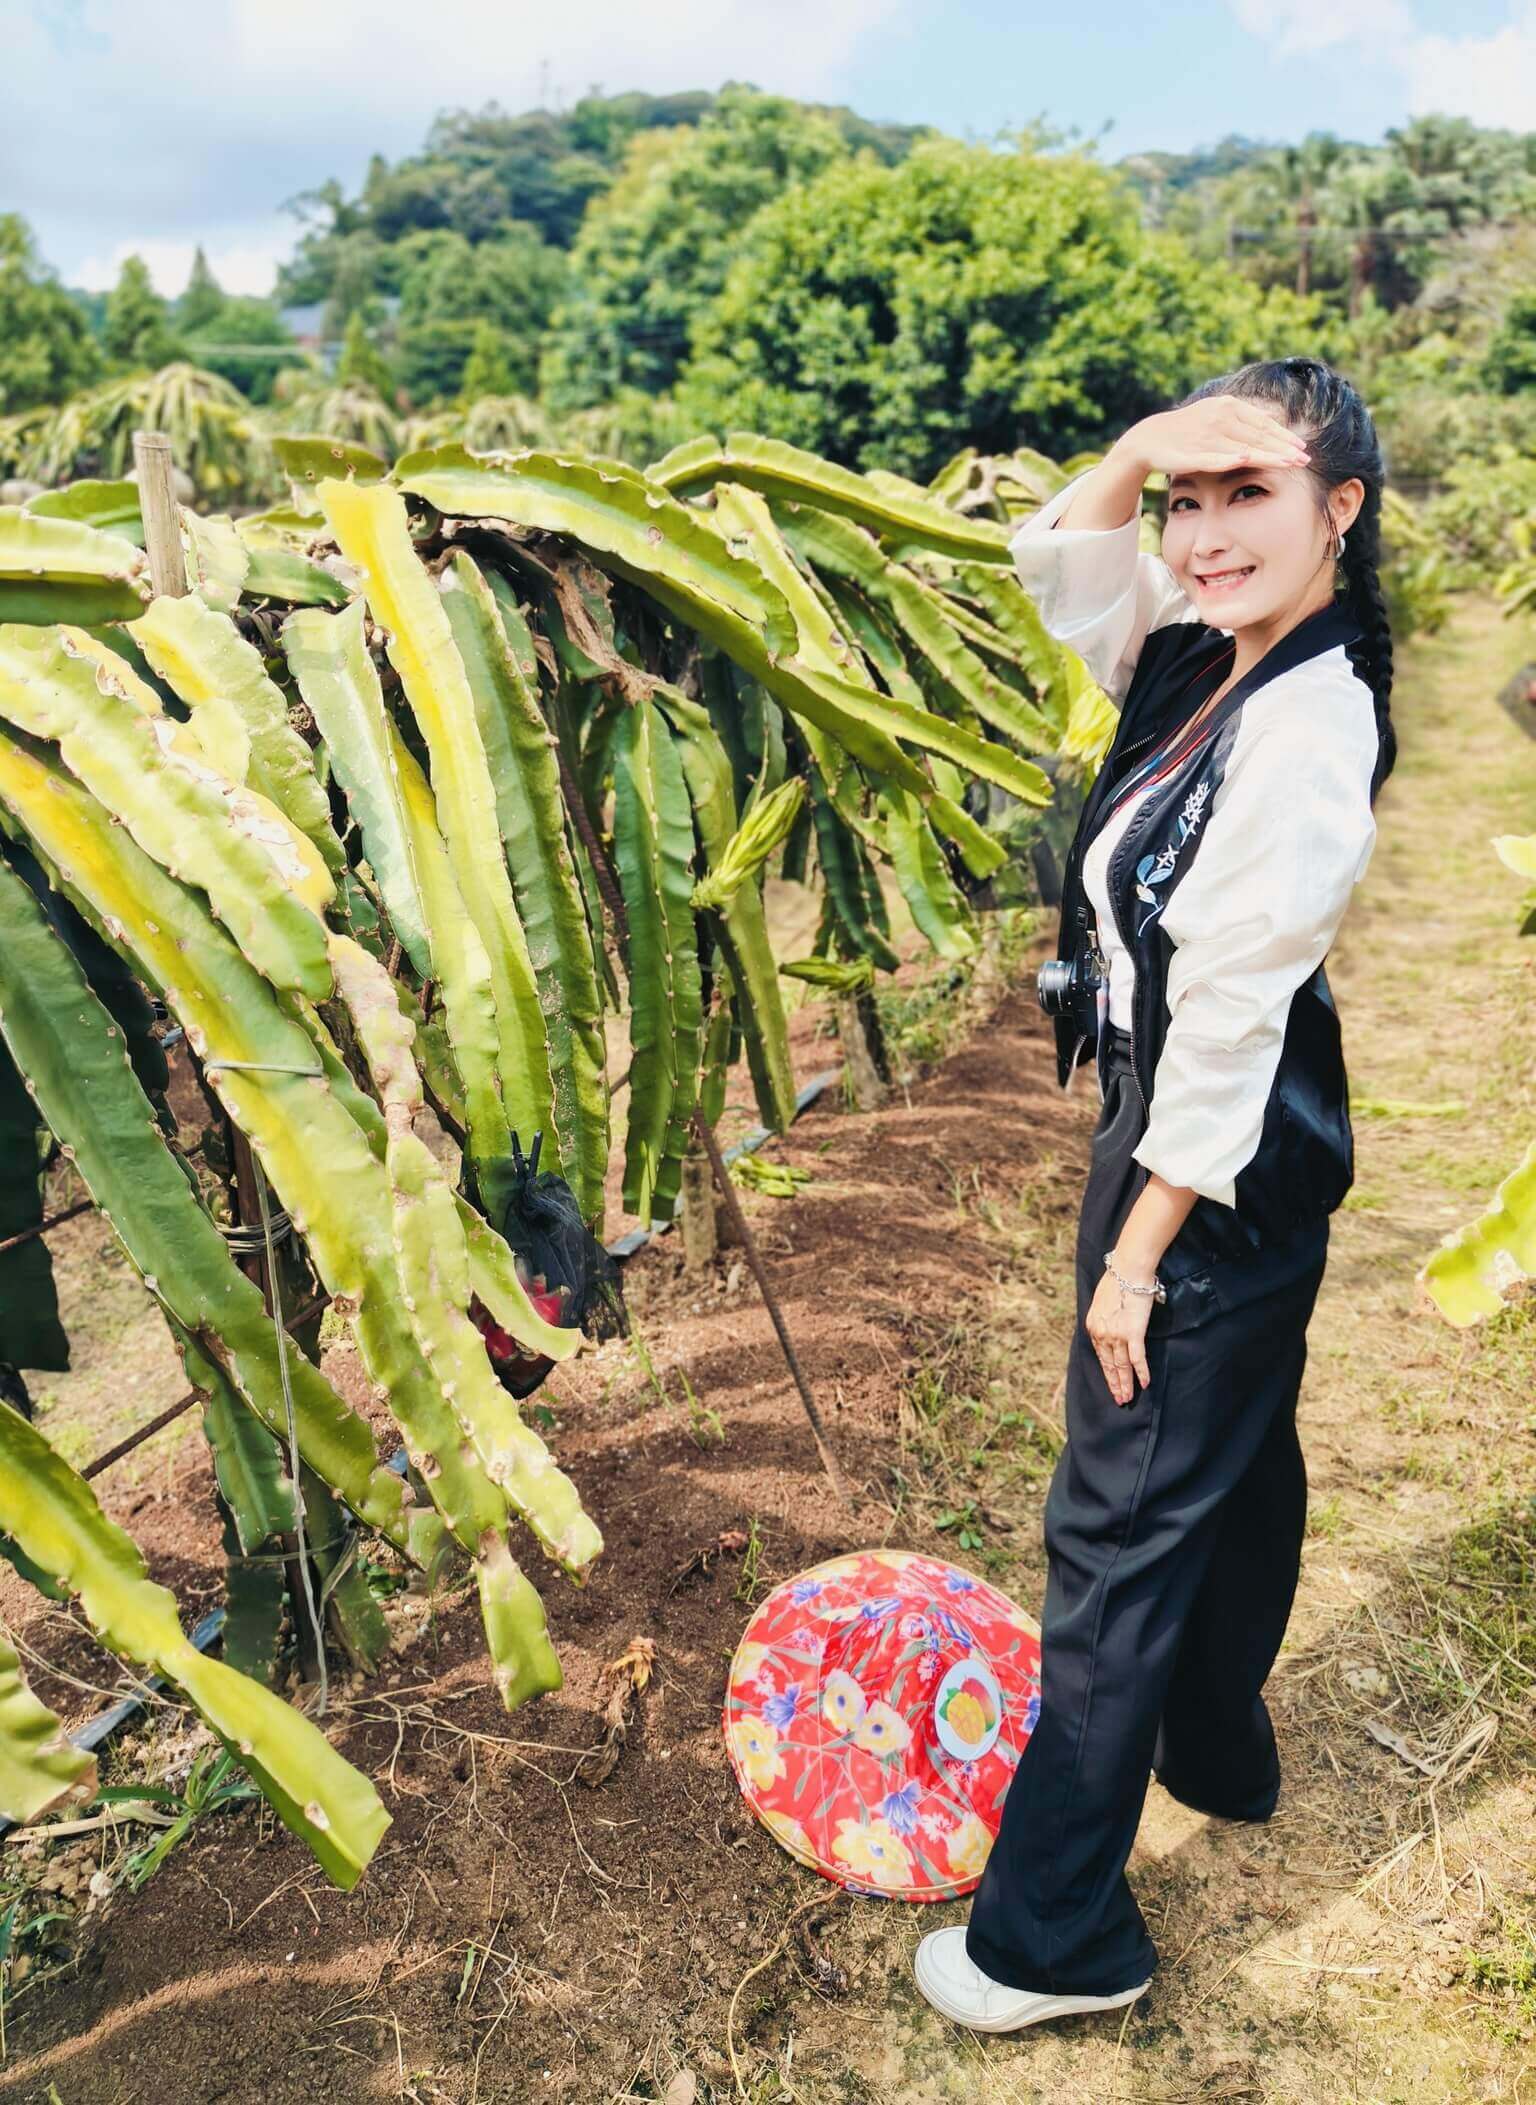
1163	759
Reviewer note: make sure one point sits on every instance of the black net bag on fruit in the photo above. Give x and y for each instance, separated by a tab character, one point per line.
567	1274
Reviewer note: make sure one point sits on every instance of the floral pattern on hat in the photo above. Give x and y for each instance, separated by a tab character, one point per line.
831	1720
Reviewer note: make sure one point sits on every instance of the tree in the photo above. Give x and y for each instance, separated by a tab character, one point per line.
138	330
448	285
362	362
47	351
532	162
487	371
1273	204
1509	364
362	267
483	169
655	251
202	299
326	217
256	323
889	316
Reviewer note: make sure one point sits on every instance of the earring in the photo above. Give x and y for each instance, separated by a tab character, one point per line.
1338	548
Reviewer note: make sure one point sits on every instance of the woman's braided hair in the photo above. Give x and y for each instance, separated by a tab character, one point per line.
1342	441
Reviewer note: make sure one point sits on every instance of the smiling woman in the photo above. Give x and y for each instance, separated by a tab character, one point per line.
1246	541
1216	855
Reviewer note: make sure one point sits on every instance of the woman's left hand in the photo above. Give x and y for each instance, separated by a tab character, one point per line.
1116	1324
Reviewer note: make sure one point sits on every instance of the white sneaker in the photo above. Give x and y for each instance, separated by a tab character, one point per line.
957	1986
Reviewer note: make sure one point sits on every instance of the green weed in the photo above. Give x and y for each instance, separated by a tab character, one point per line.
749	1579
1325	1518
966	1524
706	1428
213	1784
1505	1975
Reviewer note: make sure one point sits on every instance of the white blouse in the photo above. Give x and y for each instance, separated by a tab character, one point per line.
1096	861
1288	835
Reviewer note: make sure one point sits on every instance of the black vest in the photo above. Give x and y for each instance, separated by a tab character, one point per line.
1304	1163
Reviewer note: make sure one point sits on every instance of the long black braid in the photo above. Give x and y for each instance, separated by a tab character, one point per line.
1342	441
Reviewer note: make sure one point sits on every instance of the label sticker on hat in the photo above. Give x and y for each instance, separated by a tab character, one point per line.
968	1709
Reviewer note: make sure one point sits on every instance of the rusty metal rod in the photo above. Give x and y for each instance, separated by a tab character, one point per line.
57	1220
738	1219
174	1411
145	1432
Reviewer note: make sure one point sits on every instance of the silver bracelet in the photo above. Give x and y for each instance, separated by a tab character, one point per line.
1157	1289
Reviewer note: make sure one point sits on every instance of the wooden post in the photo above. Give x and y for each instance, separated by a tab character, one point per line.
701	1237
863	1043
157	505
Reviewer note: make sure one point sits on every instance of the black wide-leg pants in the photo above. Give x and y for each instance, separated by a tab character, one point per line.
1173	1529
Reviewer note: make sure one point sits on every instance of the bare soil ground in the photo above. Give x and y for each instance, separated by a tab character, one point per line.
522	1936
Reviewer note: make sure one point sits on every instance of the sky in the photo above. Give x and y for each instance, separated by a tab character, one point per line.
148	128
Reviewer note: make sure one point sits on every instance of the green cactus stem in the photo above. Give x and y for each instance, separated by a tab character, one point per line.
50	1511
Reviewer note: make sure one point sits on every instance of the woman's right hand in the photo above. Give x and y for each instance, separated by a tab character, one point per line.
1210	436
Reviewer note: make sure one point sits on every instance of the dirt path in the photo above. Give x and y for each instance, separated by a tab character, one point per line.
524	1937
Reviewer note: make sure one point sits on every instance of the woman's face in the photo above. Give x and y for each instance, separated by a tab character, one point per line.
1262	521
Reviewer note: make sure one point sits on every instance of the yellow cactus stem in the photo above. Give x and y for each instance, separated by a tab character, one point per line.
433	1257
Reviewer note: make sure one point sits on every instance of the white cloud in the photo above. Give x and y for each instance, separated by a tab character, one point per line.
246	262
1298	28
1490	79
177	120
452	52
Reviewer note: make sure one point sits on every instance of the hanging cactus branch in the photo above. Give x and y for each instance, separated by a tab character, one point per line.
365	792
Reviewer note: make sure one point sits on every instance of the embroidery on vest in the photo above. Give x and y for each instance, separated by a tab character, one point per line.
1157	869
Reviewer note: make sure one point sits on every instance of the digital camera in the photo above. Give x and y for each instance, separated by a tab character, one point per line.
1070	986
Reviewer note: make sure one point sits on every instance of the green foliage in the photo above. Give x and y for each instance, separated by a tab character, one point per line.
214	435
1415	570
1383	218
238	324
137	330
775	1180
448	287
886	317
488	369
202	300
1509	364
46	349
362	364
488	174
478	170
1490	1260
354	414
1502	1975
1428	429
655	250
214	1784
1470	516
39	1769
644	263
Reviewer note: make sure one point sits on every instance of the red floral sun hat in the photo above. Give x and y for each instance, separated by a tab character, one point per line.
876	1711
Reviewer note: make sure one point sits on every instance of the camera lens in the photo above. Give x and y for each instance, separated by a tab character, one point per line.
1053	984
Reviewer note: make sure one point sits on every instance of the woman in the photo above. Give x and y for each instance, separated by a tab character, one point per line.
1213	862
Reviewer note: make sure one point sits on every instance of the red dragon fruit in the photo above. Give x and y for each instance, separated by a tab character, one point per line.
519	1371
